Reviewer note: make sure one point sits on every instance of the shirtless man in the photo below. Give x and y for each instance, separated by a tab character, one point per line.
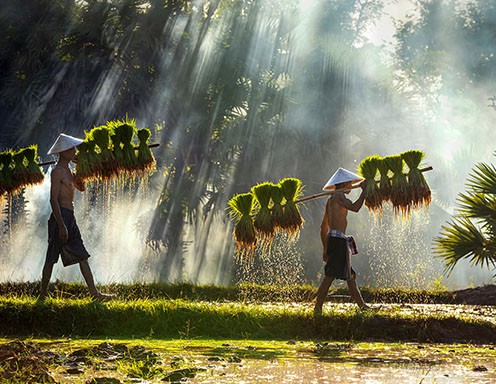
336	245
64	238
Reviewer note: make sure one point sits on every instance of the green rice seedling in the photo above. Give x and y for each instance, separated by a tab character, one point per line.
6	167
263	219
384	181
420	193
368	170
277	209
35	174
400	197
127	132
87	166
146	160
116	138
106	166
93	158
83	169
241	207
20	171
291	220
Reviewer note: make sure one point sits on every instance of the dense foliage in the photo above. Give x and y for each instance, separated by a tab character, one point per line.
237	92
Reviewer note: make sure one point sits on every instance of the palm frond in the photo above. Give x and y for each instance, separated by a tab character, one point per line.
483	178
477	206
462	239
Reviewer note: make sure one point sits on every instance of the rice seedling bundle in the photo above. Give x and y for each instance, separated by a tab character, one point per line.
277	209
420	193
384	180
126	134
88	162
400	197
145	155
106	167
368	170
109	149
35	174
6	182
241	207
291	219
20	171
117	149
263	221
83	167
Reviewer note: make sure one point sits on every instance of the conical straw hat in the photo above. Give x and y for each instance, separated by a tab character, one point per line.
63	143
341	176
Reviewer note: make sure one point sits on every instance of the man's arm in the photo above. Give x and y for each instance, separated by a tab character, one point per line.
79	185
55	182
348	204
324	228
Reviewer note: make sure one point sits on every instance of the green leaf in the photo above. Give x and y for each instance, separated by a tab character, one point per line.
462	239
477	206
483	178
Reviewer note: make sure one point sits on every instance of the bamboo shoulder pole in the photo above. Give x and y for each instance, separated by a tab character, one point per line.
319	195
53	161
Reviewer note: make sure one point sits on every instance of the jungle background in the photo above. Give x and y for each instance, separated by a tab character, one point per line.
239	92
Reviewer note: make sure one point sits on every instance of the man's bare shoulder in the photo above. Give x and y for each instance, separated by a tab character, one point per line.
341	198
57	172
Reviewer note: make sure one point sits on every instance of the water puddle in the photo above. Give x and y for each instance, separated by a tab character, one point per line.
244	361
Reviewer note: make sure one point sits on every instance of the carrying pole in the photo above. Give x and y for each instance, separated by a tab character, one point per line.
319	195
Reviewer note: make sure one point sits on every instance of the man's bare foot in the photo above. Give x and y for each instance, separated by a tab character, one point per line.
100	297
317	311
369	308
42	296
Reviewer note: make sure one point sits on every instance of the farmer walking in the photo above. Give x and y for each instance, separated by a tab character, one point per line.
338	247
64	238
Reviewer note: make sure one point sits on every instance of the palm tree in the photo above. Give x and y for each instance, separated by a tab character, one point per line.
471	234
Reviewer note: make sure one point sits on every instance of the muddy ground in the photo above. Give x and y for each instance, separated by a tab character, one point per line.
65	361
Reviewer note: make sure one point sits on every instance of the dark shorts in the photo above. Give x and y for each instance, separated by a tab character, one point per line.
337	251
73	250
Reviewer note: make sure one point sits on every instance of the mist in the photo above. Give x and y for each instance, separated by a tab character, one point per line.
321	86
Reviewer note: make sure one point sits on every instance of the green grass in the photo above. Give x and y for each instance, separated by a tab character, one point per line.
178	318
242	292
186	311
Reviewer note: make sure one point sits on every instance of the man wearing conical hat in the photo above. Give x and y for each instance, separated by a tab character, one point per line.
337	246
64	238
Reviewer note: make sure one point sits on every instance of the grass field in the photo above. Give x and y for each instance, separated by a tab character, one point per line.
184	333
240	312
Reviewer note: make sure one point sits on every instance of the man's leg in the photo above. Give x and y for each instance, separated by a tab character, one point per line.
90	281
322	294
355	292
46	274
84	266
